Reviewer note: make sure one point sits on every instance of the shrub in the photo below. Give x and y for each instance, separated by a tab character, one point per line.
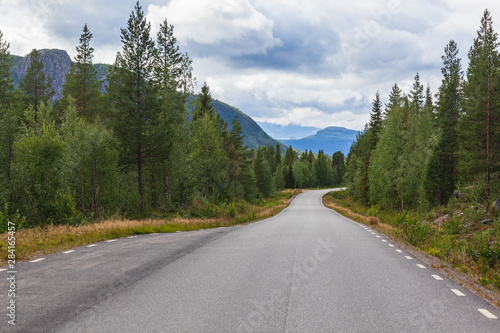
412	229
372	220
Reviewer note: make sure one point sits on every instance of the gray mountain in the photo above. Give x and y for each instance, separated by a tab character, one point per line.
330	140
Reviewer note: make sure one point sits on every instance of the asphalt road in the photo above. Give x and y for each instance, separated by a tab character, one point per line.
307	269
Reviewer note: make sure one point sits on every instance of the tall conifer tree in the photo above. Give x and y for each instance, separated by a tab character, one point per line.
441	173
36	87
481	122
81	81
133	96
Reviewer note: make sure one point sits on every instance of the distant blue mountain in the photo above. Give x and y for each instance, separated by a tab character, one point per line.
330	140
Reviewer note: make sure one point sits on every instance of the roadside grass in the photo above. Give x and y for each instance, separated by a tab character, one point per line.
451	239
32	243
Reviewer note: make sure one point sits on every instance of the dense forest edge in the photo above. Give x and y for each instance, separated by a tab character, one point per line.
428	165
145	148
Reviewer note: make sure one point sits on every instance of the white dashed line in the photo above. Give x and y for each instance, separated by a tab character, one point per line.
391	245
70	251
421	266
91	245
37	260
111	240
437	277
377	236
408	257
487	314
399	251
383	240
3	269
458	292
373	233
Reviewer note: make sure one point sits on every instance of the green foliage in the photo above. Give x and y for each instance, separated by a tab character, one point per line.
35	86
412	229
90	164
82	81
16	218
6	62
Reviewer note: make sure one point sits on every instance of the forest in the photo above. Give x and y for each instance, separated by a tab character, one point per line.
149	146
422	149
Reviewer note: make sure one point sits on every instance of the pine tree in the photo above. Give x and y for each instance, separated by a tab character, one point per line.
173	70
6	61
35	86
81	80
133	97
480	123
441	173
172	75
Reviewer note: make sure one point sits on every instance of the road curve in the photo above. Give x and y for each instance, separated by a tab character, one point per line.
308	269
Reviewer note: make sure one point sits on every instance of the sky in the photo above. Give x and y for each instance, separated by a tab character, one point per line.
293	66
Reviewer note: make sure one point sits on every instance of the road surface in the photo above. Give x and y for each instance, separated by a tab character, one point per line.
308	269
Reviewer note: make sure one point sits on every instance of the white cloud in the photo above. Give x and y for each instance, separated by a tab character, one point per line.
218	22
281	61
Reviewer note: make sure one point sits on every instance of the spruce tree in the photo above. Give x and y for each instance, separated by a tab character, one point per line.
441	170
81	80
372	134
480	124
205	104
383	170
35	86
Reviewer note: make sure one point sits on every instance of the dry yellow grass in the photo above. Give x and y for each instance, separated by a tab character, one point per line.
373	221
32	243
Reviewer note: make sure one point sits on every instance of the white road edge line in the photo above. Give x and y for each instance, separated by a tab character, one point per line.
3	269
37	260
437	277
421	266
458	292
111	240
91	245
487	314
70	251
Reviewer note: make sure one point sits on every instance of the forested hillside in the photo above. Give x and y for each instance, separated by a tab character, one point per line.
56	64
143	147
416	151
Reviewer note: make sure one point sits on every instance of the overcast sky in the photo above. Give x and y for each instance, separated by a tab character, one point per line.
287	63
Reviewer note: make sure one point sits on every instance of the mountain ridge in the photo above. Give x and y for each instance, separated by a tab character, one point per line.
330	140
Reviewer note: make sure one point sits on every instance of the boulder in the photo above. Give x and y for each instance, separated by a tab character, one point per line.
457	195
496	204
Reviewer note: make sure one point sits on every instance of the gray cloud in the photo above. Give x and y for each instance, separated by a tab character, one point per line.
285	62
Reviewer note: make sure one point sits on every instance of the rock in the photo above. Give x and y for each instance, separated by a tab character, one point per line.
487	222
496	204
457	195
